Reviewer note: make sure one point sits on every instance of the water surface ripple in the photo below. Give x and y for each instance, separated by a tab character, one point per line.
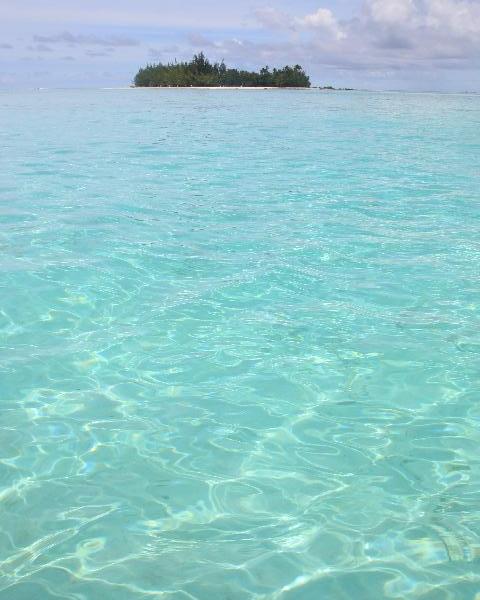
239	345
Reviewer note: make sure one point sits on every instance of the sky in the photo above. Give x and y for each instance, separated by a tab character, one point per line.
416	45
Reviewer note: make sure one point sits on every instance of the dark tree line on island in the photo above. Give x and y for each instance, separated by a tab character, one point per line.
202	73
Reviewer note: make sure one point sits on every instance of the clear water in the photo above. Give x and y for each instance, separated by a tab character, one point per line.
240	345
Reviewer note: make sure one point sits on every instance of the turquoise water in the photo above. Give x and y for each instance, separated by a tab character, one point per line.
239	345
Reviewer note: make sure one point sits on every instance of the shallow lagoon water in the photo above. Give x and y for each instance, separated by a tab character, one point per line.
239	345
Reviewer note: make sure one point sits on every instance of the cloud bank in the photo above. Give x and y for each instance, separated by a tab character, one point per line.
389	34
86	40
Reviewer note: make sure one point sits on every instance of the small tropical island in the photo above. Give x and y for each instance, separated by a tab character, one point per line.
200	72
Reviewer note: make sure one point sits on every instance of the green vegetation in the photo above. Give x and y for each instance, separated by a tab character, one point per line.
202	73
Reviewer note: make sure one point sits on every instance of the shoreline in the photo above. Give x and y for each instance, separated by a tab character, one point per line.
238	88
213	87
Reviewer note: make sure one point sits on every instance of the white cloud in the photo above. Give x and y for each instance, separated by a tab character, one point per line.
274	19
323	20
461	18
445	19
392	12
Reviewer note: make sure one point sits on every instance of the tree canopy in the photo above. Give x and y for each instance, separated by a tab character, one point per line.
203	73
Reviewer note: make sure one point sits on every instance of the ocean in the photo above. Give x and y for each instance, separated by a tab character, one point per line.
239	345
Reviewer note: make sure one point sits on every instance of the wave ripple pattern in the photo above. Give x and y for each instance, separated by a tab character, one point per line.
239	345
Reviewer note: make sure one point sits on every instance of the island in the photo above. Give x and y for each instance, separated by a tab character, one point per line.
200	72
